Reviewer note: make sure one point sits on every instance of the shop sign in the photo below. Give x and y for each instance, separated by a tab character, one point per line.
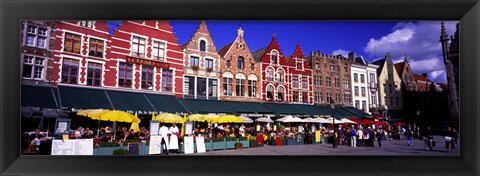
148	62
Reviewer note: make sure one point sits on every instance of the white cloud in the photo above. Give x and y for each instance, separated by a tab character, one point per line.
419	41
344	53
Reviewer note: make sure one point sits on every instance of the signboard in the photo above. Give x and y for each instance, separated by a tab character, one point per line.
134	148
317	136
300	129
154	128
188	144
200	144
252	115
188	128
62	126
72	147
257	128
154	147
148	62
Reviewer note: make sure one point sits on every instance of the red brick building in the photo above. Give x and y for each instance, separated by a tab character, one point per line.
201	66
274	73
135	55
300	76
422	82
240	72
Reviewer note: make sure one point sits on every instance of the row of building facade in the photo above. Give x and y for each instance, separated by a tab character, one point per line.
146	56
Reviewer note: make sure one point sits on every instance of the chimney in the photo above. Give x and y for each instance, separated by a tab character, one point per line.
351	55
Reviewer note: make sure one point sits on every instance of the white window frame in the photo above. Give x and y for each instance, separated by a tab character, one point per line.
34	66
154	40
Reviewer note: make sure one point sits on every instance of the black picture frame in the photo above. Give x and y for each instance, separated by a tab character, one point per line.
11	163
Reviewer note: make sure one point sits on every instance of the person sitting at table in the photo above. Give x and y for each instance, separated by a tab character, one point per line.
130	135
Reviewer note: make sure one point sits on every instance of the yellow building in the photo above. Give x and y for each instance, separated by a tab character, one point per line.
389	83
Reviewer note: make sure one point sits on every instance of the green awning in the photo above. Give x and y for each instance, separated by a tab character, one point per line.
259	108
239	107
207	106
343	113
284	109
83	98
358	112
314	110
39	96
167	103
130	101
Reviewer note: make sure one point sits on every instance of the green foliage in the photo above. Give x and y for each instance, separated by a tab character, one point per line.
108	144
207	140
120	152
130	141
244	138
238	144
217	139
231	138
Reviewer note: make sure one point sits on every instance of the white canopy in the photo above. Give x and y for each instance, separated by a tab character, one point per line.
345	120
308	120
330	120
320	120
264	119
288	119
246	119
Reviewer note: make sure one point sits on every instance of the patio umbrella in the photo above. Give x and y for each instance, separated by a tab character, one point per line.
246	119
264	119
228	119
134	125
54	114
118	116
345	120
196	118
31	113
96	113
330	120
399	124
378	123
84	112
169	118
283	118
292	119
210	117
308	120
318	120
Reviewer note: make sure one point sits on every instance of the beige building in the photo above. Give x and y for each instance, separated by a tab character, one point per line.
389	83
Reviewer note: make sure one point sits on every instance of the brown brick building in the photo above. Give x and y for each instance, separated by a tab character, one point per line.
240	72
201	66
405	73
331	78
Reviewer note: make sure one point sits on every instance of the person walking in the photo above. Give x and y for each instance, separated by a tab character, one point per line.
366	137
380	137
360	137
353	137
410	137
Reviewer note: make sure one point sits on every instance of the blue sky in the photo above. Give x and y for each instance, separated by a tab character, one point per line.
370	39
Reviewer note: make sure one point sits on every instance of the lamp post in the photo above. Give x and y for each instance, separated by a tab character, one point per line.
332	105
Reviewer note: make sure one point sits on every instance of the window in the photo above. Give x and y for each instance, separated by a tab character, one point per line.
299	65
202	45
305	82
269	75
295	96
158	51
95	48
125	75
295	81
346	98
33	67
208	64
229	63
274	57
372	77
138	46
355	78
356	91
317	65
270	90
147	77
88	24
362	78
357	104
94	74
227	86
189	85
212	87
329	82
72	43
337	97
305	97
201	86
329	97
346	84
332	67
374	99
70	71
36	36
194	61
316	80
252	66
280	93
346	68
363	91
240	63
240	87
317	97
281	75
337	83
252	88
167	80
364	105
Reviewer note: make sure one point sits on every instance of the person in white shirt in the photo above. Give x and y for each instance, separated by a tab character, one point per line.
360	137
174	138
164	132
